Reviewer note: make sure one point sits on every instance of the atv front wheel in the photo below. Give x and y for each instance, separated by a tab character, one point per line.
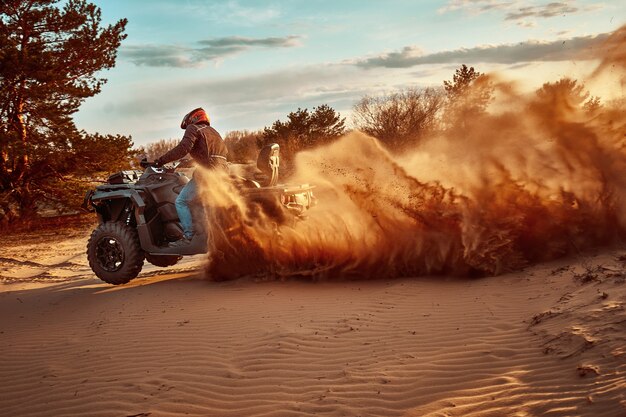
114	253
163	260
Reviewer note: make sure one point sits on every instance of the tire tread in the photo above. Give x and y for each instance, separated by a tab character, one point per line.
133	254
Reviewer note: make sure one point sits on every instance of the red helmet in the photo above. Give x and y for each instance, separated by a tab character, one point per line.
195	116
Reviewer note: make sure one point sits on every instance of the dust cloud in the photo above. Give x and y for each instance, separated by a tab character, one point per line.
536	177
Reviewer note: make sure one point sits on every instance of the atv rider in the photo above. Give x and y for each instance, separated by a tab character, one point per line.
207	148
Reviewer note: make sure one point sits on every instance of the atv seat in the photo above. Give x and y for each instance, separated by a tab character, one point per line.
268	163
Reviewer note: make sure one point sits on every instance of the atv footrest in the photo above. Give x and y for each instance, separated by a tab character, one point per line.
197	246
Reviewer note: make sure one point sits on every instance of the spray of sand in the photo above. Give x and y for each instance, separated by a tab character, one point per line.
536	177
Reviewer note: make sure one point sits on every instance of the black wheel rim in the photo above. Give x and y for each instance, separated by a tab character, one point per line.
110	254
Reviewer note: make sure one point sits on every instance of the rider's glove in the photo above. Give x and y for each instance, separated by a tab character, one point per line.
157	163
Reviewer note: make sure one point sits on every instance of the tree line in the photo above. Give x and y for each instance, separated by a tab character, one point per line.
402	118
398	120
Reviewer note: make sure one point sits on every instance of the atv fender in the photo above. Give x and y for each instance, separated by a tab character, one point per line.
139	206
137	201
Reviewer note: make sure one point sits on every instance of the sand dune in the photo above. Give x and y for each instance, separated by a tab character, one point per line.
549	341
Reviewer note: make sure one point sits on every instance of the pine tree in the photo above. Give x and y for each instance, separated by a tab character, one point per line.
468	95
51	53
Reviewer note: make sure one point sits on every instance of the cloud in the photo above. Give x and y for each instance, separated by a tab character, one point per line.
204	51
580	48
158	55
231	12
517	10
238	41
544	11
475	6
527	23
564	33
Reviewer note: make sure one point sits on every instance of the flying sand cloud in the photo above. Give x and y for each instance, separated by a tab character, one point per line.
205	51
579	48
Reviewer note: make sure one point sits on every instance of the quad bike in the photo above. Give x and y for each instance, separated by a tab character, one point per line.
138	219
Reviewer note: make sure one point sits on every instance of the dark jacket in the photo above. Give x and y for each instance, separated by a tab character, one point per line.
203	143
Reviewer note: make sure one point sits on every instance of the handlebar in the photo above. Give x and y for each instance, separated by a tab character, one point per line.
145	164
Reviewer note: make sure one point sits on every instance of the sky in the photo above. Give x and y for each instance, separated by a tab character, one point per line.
249	63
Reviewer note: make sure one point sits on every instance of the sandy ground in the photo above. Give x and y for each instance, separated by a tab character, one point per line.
547	341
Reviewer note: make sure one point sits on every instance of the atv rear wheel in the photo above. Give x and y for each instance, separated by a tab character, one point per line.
114	253
163	260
